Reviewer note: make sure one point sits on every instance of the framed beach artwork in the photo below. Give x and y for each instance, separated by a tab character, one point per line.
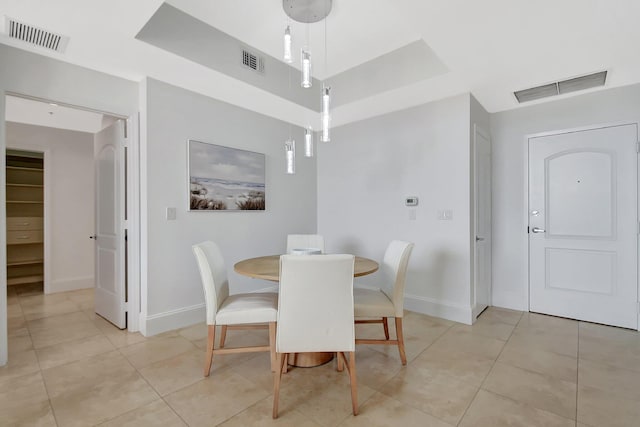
224	178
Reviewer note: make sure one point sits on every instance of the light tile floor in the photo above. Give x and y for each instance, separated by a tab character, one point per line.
69	367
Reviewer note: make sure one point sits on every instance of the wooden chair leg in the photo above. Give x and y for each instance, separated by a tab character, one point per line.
272	345
277	376
354	383
340	362
400	337
385	325
209	355
223	335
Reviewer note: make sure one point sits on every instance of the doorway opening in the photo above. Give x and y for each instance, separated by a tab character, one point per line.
62	139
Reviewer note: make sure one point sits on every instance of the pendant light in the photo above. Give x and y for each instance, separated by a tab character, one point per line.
308	142
325	115
290	150
305	58
288	57
326	93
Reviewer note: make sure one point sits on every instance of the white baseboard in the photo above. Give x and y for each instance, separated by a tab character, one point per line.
179	318
436	308
475	311
71	284
174	319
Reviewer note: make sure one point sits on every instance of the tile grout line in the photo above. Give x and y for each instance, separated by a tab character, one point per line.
514	400
448	328
491	369
153	388
40	370
409	362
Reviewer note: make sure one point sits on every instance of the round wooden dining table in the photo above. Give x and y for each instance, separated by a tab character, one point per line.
268	268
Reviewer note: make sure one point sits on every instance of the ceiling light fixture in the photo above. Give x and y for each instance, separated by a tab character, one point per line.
310	11
305	64
290	150
325	115
288	58
308	142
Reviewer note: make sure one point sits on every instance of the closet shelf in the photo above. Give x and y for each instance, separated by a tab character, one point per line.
9	184
25	279
22	168
25	201
25	262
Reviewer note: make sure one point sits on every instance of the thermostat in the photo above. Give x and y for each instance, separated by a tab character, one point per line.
411	201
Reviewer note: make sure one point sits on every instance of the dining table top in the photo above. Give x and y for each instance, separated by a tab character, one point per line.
268	267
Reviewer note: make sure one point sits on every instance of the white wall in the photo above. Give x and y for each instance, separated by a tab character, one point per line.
509	130
71	171
171	283
34	75
364	175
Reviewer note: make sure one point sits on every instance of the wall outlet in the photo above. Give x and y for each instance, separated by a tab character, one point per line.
445	215
171	214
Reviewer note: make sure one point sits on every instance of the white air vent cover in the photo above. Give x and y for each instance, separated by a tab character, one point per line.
564	86
36	36
253	61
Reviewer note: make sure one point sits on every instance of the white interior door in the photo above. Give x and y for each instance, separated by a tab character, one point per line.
482	269
583	223
110	287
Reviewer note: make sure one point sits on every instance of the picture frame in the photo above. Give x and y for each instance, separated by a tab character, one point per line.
225	178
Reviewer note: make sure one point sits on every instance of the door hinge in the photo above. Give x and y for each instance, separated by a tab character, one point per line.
528	230
126	307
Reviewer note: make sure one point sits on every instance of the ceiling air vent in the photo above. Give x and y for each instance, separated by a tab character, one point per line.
561	87
253	61
37	36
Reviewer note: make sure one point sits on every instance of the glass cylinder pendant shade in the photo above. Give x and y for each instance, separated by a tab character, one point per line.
288	58
305	58
290	150
308	142
326	118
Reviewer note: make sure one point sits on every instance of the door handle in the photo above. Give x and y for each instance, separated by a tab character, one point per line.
479	239
94	237
537	230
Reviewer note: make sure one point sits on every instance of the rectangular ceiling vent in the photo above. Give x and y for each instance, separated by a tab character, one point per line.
253	61
36	36
561	87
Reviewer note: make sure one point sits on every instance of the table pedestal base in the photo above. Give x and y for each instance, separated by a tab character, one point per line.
309	360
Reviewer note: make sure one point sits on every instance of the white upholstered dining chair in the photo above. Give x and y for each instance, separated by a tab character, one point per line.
388	300
315	313
239	311
305	241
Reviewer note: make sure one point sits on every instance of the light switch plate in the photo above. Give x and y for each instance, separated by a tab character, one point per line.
171	214
412	214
